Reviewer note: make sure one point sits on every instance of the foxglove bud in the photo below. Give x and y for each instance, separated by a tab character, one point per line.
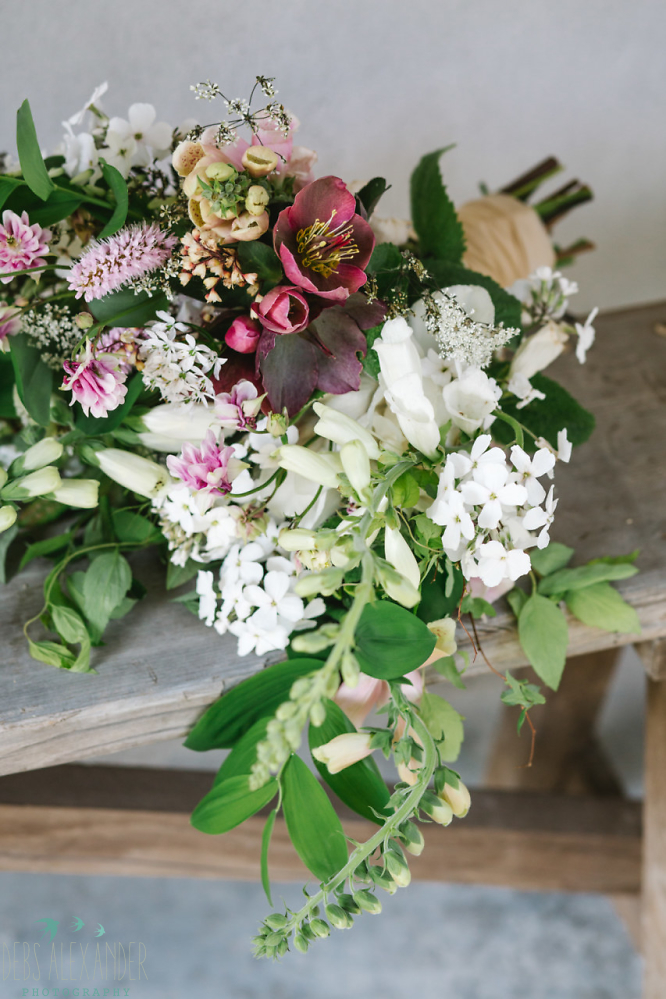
306	931
343	750
458	798
132	471
383	879
356	465
340	428
320	928
256	200
412	838
398	587
296	540
398	868
80	493
350	669
338	918
220	171
320	468
317	714
349	904
368	902
8	517
320	583
438	810
39	483
445	632
400	556
259	161
300	943
44	452
275	921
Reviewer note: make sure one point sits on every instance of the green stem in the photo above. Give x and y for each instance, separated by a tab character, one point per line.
31	270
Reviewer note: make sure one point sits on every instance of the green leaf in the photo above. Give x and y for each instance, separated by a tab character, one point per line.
265	844
445	725
52	654
545	417
105	584
477	607
259	258
435	603
68	624
178	575
7	382
32	163
544	636
550	559
507	307
60	205
133	527
433	214
446	667
616	559
405	491
225	721
601	606
244	754
7	187
390	641
126	308
585	575
230	803
93	426
313	827
118	187
6	539
34	379
371	192
516	599
361	785
46	547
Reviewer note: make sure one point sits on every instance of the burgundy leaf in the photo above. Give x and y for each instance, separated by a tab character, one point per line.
340	334
289	372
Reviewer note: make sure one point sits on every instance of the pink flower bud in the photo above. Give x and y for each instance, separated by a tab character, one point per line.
243	335
284	310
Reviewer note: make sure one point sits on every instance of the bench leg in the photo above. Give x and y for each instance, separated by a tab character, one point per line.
654	844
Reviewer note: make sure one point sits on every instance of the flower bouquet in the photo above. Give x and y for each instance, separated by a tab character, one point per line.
334	427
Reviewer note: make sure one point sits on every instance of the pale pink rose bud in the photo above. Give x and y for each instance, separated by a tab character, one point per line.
243	335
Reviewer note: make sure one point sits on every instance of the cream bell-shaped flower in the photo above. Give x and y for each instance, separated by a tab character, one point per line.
343	751
39	483
8	517
130	470
173	424
539	350
445	632
321	468
400	556
44	452
402	381
356	465
80	493
458	798
336	426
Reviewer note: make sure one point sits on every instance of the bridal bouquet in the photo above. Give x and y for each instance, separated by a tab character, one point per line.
334	425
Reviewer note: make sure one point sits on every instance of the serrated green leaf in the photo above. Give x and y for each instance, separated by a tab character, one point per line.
34	379
390	641
118	187
225	721
566	580
313	827
405	491
433	214
555	556
445	725
601	606
371	192
32	163
544	636
361	785
230	803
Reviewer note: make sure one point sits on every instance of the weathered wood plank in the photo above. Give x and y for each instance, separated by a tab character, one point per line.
161	667
654	855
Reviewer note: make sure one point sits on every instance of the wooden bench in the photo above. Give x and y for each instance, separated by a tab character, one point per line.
560	825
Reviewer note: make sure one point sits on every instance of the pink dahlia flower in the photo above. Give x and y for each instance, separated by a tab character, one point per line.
237	410
204	469
324	245
21	245
106	266
10	322
96	382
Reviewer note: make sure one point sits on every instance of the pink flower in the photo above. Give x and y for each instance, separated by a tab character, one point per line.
237	410
122	342
324	245
243	335
21	245
300	166
204	469
369	694
96	382
132	252
10	322
284	310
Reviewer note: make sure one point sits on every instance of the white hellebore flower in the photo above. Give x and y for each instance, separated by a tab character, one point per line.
400	556
132	471
539	350
471	399
338	427
402	381
497	563
530	471
172	424
344	750
320	468
8	517
80	493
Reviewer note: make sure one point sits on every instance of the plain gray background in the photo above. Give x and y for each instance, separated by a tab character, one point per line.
377	83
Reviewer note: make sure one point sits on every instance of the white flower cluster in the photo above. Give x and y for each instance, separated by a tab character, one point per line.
138	140
469	337
544	295
490	511
176	364
258	603
191	534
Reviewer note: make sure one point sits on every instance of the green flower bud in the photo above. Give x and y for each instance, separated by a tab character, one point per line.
220	171
300	688
300	943
348	904
44	480
350	669
383	879
361	874
3	476
398	868
84	320
275	921
307	932
338	918
8	517
368	902
317	584
458	798
412	838
438	810
44	452
282	947
273	939
297	539
317	714
320	928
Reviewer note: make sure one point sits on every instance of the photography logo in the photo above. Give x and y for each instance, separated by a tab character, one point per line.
73	961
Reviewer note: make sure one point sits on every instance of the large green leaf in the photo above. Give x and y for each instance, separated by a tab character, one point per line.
6	539
32	163
433	214
361	785
92	426
59	205
244	754
105	584
230	803
555	556
34	379
545	417
133	527
544	636
435	604
313	827
126	308
566	580
47	546
602	607
118	187
234	713
7	187
445	725
507	306
390	641
7	382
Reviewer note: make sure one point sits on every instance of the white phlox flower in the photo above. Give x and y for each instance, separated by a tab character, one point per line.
537	518
137	141
530	470
497	563
523	389
586	334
